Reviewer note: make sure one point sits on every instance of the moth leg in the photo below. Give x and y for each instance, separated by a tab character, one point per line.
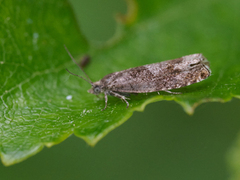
106	100
97	96
173	92
120	96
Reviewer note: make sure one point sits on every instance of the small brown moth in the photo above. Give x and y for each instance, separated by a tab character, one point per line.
163	76
84	61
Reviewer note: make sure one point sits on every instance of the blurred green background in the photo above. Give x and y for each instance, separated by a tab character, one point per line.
173	146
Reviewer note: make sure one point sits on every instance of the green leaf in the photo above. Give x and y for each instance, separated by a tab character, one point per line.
35	110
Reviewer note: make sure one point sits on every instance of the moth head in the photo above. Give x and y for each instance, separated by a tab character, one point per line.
96	89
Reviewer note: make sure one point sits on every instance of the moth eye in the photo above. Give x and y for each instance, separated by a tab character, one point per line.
97	90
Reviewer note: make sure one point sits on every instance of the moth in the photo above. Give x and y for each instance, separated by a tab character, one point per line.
162	76
84	61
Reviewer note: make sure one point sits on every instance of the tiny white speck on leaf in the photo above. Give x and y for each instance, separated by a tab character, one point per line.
69	97
29	21
35	35
29	58
35	40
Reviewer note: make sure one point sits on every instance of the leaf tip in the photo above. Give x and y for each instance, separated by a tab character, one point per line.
18	156
131	15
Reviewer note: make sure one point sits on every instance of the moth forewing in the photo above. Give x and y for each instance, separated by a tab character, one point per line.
163	76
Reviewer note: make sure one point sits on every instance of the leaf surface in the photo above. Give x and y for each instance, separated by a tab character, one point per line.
42	104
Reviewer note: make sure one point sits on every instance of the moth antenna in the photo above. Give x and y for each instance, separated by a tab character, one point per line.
78	66
78	76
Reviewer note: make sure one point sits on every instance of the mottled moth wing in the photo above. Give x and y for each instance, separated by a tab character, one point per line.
161	76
